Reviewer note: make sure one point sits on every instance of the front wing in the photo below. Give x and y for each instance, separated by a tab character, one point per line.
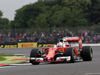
40	59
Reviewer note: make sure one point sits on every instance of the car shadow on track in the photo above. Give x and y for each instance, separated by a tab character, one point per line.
46	63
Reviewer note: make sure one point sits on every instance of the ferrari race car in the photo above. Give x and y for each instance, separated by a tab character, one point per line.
62	52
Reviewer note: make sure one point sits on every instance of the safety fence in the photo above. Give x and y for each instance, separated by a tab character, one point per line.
26	45
35	45
49	35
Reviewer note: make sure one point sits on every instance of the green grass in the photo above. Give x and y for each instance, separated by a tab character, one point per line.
4	59
6	55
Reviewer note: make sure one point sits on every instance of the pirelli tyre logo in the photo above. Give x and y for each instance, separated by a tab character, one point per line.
27	45
8	46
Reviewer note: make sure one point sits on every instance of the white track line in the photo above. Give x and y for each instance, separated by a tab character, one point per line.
7	66
92	73
20	54
97	44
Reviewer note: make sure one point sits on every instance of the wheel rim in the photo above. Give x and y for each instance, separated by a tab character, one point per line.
73	56
39	52
91	53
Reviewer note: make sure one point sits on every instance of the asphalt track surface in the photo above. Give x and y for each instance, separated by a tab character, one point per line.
78	68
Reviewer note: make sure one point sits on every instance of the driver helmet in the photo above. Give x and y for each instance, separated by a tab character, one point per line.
59	44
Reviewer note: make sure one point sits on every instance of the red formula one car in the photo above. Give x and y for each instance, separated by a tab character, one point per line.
62	52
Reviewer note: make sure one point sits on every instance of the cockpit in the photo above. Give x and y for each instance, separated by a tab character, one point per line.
62	43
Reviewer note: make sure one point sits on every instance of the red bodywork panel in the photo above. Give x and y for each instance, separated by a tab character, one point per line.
52	51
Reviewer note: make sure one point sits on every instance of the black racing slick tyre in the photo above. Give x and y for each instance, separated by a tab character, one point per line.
87	53
35	53
70	52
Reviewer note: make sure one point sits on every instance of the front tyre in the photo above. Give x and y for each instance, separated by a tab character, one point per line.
70	52
34	54
87	53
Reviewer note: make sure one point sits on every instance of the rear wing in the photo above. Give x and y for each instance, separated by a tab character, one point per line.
74	39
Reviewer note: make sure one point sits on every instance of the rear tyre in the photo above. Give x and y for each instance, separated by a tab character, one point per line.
70	52
35	53
87	53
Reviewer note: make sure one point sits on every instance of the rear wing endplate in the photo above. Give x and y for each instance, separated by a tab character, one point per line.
74	39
